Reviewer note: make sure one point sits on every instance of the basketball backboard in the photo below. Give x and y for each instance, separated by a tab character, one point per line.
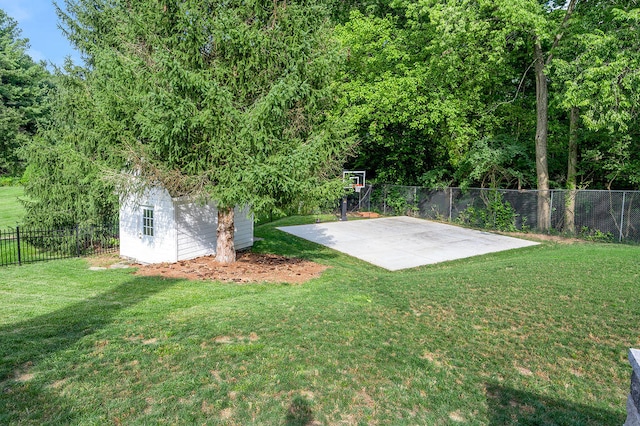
354	179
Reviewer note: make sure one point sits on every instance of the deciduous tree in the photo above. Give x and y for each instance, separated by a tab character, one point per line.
426	82
440	84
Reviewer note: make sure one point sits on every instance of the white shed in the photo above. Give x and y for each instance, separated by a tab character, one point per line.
156	228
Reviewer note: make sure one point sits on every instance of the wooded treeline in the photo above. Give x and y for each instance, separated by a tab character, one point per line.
260	101
450	92
513	94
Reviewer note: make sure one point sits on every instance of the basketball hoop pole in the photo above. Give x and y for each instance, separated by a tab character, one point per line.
354	180
343	216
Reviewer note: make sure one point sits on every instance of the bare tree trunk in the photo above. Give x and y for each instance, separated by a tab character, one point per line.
542	117
542	126
570	198
225	248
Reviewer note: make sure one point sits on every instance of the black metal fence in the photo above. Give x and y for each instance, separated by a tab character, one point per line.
27	245
602	215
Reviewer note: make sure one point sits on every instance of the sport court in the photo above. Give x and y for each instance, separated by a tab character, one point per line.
396	243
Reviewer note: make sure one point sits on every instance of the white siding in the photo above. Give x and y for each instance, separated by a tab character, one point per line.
243	233
133	244
182	229
197	229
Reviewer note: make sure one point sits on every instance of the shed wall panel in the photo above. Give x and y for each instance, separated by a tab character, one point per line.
182	229
161	247
243	234
197	229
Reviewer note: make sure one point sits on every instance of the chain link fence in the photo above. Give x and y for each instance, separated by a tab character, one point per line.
597	215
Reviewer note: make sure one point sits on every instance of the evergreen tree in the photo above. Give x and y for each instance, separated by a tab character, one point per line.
67	159
23	86
224	100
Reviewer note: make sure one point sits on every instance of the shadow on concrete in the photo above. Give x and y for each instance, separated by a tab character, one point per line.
508	406
24	344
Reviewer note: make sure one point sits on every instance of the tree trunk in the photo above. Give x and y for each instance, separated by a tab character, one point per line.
542	126
225	249
542	119
570	198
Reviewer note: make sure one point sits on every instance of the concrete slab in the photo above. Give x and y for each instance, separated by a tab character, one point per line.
402	242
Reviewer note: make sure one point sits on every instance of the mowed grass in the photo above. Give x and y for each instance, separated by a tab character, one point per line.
11	210
532	336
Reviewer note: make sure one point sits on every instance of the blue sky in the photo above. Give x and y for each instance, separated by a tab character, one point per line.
39	23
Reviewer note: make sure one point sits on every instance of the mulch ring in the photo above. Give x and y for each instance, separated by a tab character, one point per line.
249	267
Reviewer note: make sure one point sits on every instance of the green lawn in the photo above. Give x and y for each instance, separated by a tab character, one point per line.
534	336
11	210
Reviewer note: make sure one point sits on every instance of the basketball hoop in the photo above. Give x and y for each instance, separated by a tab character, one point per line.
354	179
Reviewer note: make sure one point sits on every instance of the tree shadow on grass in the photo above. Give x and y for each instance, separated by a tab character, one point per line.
279	242
24	344
508	406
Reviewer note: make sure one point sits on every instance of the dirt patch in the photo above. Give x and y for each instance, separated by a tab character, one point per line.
544	237
249	267
104	260
365	214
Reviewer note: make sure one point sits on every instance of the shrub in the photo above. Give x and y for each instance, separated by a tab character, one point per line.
497	214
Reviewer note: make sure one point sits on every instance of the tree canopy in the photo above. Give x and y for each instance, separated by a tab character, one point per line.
258	103
431	85
227	100
516	93
23	86
67	159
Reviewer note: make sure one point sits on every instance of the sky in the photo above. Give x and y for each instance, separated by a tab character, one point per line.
39	23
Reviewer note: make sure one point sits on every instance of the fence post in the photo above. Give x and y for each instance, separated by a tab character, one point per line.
18	238
450	202
550	210
77	242
384	200
624	196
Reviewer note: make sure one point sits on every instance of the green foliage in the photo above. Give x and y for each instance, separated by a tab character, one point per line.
227	100
422	90
497	214
23	87
596	235
444	92
495	163
437	178
395	200
602	76
10	181
66	162
597	70
401	200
